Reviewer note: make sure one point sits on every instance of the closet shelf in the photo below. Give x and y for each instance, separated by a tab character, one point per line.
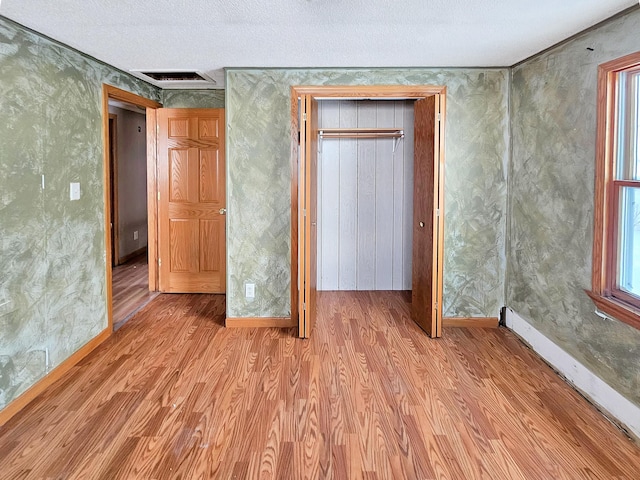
361	133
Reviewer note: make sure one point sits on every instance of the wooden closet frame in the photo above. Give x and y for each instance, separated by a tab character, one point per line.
373	92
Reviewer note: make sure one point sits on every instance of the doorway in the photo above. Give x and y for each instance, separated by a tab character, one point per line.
130	194
129	214
428	195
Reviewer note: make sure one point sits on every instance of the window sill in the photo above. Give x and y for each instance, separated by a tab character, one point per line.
616	309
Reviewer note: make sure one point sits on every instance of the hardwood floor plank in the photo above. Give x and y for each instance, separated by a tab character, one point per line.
130	288
147	454
173	394
113	467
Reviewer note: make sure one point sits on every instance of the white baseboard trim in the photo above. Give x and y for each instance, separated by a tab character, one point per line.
625	413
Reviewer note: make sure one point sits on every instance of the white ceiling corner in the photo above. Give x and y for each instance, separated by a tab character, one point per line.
209	35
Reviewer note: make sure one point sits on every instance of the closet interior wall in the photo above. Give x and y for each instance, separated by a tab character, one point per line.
365	198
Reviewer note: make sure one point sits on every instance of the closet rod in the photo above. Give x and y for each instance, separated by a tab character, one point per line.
395	133
361	133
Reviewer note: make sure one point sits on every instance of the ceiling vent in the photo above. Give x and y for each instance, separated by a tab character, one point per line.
176	78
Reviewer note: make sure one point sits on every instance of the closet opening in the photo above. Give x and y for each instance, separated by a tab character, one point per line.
367	196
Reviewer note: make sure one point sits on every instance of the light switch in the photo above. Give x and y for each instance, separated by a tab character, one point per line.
74	191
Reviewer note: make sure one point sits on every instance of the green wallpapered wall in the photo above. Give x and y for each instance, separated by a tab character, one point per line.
553	124
52	287
259	182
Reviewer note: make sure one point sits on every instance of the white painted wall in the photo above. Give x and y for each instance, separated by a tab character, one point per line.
365	199
132	179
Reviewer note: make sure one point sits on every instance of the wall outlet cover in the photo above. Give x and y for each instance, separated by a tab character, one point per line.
74	191
250	290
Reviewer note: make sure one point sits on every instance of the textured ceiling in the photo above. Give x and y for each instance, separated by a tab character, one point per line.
208	35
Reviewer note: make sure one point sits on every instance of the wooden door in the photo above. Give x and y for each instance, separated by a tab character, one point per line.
191	204
426	288
308	215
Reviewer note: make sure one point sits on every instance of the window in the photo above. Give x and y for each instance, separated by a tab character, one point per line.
616	249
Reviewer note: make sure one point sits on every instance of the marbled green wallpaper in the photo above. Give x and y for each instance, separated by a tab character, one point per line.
193	98
52	287
259	179
551	202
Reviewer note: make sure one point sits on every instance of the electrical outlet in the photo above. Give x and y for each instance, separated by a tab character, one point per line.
250	290
135	234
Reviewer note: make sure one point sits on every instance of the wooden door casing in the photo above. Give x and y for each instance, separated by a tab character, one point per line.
308	234
431	274
113	188
311	221
191	185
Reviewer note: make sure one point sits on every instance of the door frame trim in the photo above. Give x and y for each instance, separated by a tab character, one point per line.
113	187
347	92
111	92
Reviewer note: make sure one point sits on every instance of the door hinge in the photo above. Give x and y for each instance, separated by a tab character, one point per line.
159	262
158	128
304	212
437	212
158	195
304	307
439	116
304	117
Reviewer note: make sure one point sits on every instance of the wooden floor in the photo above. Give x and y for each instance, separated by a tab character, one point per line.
130	288
173	394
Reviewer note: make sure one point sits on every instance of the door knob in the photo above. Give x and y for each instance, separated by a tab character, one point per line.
421	224
222	211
